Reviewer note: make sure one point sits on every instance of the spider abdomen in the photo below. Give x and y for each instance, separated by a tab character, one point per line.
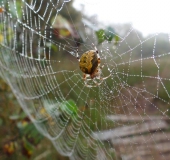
88	62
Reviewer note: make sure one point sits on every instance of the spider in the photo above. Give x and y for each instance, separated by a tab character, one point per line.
89	64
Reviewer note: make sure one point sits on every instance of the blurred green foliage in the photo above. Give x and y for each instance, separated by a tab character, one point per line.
19	139
107	35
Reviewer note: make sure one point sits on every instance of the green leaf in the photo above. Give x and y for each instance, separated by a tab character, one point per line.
54	47
14	117
106	35
109	34
27	145
27	148
69	107
100	36
18	116
31	134
116	40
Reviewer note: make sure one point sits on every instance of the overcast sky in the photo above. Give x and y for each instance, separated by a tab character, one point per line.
148	16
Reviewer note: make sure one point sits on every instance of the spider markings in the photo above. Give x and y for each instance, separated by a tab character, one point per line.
89	63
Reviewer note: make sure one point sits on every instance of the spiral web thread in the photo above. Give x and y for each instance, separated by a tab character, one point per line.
46	86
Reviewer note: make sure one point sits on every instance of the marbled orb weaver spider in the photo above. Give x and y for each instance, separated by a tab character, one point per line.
89	64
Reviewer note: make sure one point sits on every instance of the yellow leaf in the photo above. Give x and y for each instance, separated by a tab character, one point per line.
1	38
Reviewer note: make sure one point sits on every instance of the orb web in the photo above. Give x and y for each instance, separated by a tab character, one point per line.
126	116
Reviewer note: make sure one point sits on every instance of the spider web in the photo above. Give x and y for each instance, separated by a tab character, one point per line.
109	121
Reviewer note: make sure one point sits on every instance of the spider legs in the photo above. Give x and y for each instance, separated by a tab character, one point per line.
106	77
95	81
92	85
86	80
98	55
77	55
